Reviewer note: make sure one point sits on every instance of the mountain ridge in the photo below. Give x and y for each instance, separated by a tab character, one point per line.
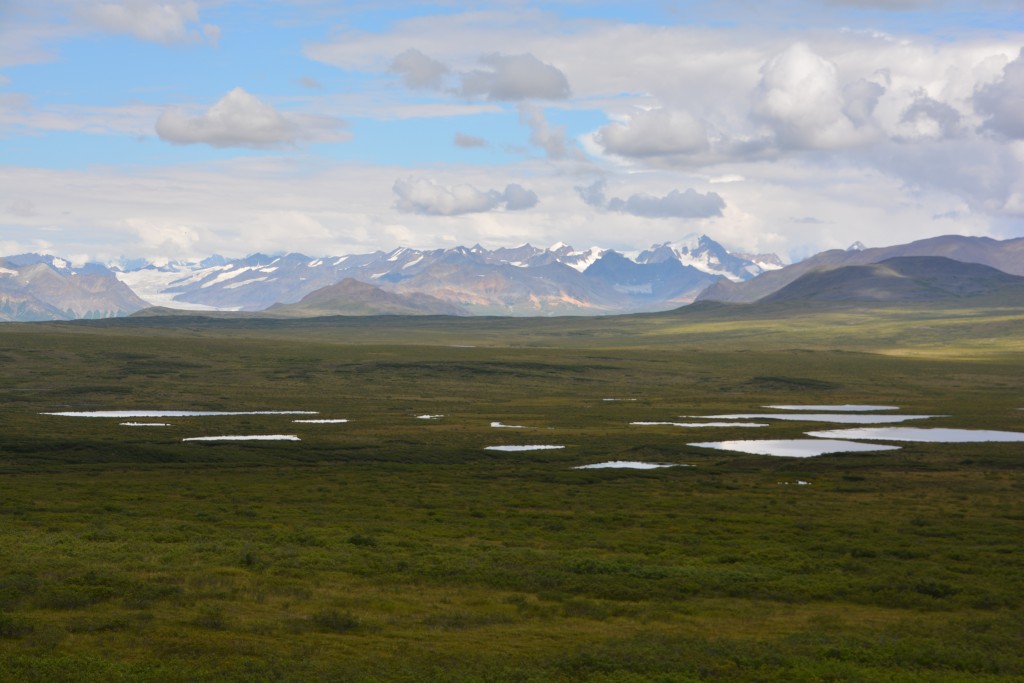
523	280
1004	255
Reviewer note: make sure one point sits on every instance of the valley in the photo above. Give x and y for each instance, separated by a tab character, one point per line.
378	545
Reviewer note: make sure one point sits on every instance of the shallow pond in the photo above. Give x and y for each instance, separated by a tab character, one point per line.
926	435
252	437
701	424
794	448
627	464
842	408
839	418
145	424
522	448
321	422
176	413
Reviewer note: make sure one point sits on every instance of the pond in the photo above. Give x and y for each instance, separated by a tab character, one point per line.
930	435
522	448
701	424
841	408
176	413
251	437
794	448
628	464
839	418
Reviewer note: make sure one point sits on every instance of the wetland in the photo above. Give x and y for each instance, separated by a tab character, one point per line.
392	548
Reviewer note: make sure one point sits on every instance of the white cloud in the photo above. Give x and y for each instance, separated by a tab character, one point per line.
518	198
801	98
505	78
424	196
552	139
161	21
929	118
686	204
652	133
1002	102
418	70
515	77
240	119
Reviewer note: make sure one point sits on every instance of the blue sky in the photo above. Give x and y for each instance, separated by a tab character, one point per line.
181	128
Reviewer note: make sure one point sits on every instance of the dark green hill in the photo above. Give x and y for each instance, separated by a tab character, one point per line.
907	279
351	297
1006	255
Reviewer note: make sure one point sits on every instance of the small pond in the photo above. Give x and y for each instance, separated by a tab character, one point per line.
930	435
839	418
251	437
841	408
628	464
794	448
176	413
701	424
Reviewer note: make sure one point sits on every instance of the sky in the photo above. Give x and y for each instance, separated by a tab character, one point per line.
177	129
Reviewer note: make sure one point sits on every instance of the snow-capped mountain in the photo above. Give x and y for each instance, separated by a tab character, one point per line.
524	280
708	256
39	287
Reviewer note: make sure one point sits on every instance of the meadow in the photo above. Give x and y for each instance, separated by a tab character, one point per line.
394	548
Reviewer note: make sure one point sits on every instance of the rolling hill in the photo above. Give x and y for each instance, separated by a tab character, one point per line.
1005	255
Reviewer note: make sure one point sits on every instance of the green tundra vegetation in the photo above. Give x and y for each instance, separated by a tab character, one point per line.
394	548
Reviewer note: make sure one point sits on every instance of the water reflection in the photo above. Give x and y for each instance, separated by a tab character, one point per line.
794	448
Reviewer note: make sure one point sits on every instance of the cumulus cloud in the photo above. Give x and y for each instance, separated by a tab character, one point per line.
801	98
518	198
424	196
515	77
418	70
467	141
240	119
686	204
653	133
1003	101
551	139
929	118
158	21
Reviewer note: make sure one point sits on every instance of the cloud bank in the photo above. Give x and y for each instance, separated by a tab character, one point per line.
159	21
686	204
240	119
424	196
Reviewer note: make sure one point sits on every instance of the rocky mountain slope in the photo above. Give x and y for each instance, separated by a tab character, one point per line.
35	287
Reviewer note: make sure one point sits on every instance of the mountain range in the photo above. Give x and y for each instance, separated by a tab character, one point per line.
525	280
35	287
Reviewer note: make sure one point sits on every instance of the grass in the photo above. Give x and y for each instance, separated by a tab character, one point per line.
395	549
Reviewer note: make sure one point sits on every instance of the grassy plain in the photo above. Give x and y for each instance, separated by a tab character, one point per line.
392	548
